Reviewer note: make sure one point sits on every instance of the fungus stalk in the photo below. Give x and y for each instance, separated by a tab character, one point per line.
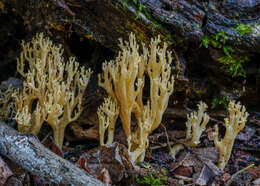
234	124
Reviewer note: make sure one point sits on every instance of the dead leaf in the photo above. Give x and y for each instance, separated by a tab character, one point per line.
5	172
204	176
254	172
83	134
176	134
113	157
105	177
81	163
225	177
57	150
184	171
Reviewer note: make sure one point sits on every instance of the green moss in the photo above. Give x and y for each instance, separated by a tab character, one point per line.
154	178
141	8
222	100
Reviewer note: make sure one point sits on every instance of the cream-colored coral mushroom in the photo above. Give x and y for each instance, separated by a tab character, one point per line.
107	116
124	79
234	124
53	89
196	124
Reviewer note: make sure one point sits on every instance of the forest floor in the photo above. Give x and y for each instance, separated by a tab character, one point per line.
192	166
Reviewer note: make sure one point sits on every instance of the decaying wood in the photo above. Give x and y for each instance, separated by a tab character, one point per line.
32	156
182	23
107	20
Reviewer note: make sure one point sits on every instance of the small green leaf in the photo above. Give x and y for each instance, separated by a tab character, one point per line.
244	29
205	41
124	2
215	43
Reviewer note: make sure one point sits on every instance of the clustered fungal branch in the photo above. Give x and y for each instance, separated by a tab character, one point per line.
196	124
124	79
107	116
52	91
234	124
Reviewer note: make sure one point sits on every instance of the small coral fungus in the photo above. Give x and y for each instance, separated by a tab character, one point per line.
234	124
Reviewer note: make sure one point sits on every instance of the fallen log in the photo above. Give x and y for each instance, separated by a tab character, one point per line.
31	155
107	20
183	23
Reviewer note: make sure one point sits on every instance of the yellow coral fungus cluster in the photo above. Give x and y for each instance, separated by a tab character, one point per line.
196	124
53	89
124	79
107	115
234	124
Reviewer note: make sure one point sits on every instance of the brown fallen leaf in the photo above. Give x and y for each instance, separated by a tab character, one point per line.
254	172
5	172
225	177
104	176
113	157
184	171
176	134
57	150
83	134
82	163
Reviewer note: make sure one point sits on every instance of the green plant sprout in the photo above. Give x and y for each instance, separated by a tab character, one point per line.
153	178
233	60
233	64
141	8
244	29
168	37
124	2
222	100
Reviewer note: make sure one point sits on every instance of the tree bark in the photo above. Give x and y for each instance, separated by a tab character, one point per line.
107	20
32	156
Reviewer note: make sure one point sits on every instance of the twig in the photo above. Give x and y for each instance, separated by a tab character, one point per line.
237	173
